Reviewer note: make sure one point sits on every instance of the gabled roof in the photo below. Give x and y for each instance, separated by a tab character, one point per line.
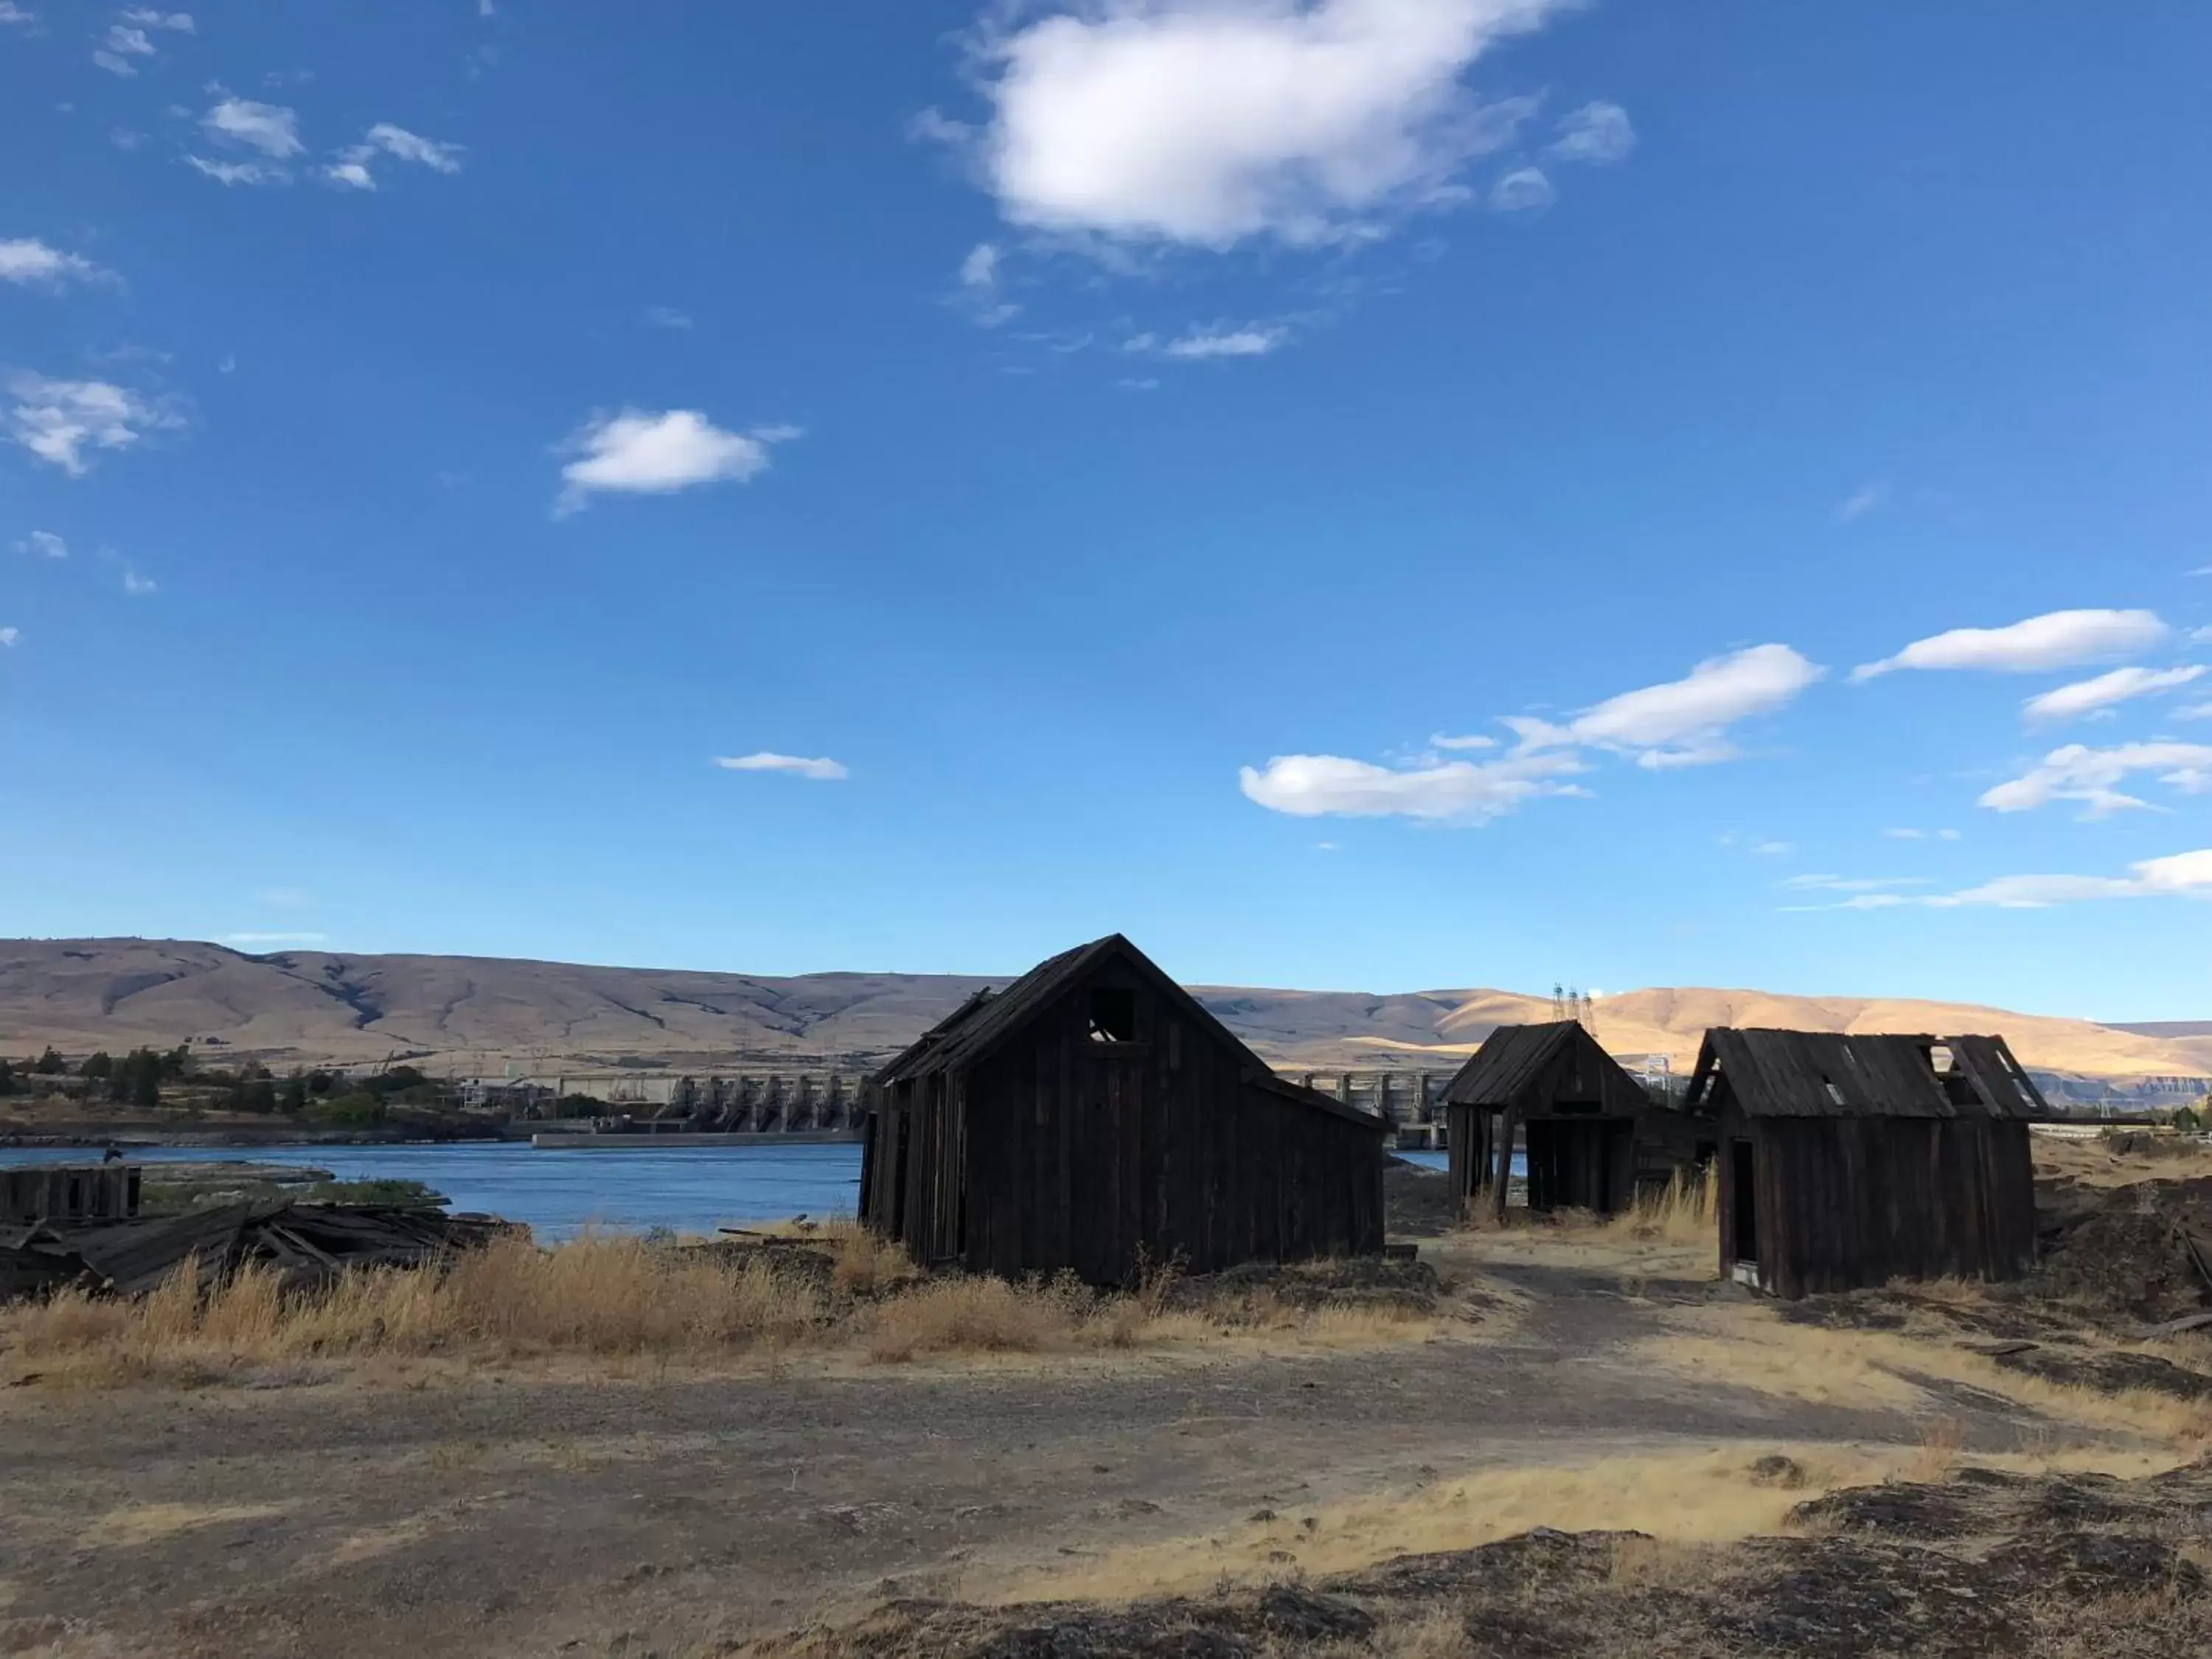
1837	1074
988	1018
1513	1064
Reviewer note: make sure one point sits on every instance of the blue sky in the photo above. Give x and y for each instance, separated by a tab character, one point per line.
1375	493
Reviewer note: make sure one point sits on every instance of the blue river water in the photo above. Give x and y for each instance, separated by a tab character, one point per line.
560	1193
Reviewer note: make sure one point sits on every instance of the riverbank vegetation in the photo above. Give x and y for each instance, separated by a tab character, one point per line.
844	1292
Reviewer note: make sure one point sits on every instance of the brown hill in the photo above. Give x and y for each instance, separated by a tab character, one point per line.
465	1014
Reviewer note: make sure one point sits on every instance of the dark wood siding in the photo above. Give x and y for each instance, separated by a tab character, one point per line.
1845	1202
1057	1151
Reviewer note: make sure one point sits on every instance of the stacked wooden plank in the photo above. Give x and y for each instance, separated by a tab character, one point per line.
309	1244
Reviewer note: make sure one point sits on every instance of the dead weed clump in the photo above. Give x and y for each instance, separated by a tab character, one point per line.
596	1295
979	1315
1685	1211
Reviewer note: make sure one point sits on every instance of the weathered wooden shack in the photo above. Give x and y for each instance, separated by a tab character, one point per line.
1093	1117
69	1192
1849	1161
1594	1135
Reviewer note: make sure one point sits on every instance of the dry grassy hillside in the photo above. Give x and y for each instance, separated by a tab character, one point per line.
464	1011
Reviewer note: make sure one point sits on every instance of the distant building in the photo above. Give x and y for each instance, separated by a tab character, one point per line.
1094	1117
1594	1133
1849	1161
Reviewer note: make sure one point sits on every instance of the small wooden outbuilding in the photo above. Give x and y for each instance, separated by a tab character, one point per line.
1595	1134
1093	1117
69	1192
1849	1161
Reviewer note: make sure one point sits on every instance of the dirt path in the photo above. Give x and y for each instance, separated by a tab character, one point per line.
533	1517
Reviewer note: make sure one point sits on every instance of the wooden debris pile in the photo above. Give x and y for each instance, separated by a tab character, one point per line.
309	1244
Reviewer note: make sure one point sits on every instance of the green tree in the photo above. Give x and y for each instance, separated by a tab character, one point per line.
97	1064
178	1062
7	1078
49	1064
259	1095
137	1080
293	1097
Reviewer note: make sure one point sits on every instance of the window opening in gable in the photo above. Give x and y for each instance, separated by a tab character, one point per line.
1113	1015
1834	1093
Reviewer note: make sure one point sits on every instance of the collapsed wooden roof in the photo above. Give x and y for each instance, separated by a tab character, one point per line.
1838	1074
979	1025
1527	1065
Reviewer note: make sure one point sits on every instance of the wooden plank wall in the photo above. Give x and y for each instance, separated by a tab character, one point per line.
1097	1157
73	1192
1846	1202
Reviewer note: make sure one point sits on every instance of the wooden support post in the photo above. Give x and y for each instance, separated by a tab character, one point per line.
1508	1121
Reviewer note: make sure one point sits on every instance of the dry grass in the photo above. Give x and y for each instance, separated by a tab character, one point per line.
2095	1161
1752	1346
1693	1499
1687	1212
616	1300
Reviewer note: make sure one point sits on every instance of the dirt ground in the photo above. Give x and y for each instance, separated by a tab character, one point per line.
1587	1384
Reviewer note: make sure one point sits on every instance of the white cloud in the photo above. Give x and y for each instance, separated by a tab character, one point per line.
413	147
2195	711
665	317
351	171
1920	835
12	13
119	46
239	172
30	263
2061	638
2179	875
1597	133
269	128
1772	850
1684	722
980	293
58	420
179	22
822	770
1210	121
1861	501
1200	345
9	636
640	452
2092	776
1462	792
43	545
138	587
274	938
2105	691
1522	191
1440	741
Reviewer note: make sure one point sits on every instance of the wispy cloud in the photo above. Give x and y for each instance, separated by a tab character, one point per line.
271	128
1525	190
350	169
1853	884
12	13
2060	639
9	636
60	421
1921	835
43	545
239	172
119	47
982	290
1866	499
820	771
2092	776
29	262
1462	791
1201	345
1684	722
2107	691
2182	875
1440	741
665	317
139	587
1207	124
645	452
1598	134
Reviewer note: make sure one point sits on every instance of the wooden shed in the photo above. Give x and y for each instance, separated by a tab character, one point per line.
1593	1134
1092	1117
69	1192
1849	1161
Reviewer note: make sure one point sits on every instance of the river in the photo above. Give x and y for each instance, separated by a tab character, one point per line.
560	1193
